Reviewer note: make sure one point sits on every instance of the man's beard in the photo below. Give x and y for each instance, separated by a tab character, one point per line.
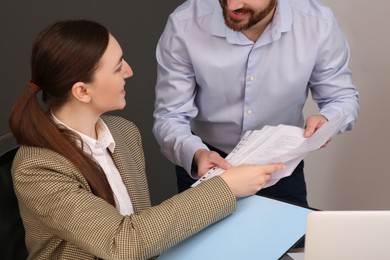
253	18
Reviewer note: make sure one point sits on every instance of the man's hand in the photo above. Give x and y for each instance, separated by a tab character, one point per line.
314	122
206	160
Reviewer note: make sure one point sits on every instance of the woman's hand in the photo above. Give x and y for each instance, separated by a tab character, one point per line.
245	180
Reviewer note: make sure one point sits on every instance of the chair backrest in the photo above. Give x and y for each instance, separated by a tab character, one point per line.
12	245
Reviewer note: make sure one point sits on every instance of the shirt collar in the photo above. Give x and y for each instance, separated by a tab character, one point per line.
283	18
105	139
104	135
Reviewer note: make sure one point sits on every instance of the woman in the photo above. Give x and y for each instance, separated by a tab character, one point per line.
80	176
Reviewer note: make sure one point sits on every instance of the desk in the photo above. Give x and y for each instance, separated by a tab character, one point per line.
261	228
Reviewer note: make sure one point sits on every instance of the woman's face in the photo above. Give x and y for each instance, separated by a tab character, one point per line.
107	88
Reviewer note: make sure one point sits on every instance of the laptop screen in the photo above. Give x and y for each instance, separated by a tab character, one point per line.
344	235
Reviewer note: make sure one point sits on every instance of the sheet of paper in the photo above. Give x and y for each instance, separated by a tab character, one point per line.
282	143
297	256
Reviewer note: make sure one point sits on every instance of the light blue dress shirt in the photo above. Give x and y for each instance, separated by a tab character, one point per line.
218	84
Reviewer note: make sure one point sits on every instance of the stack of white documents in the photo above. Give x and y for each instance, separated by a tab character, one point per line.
274	144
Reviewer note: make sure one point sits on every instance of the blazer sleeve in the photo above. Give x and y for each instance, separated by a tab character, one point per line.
52	192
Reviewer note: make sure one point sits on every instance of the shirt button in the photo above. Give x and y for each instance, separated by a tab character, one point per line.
251	78
249	111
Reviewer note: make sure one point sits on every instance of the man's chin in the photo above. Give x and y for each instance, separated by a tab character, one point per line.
235	26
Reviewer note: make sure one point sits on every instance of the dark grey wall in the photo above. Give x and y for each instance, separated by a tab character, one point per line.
137	26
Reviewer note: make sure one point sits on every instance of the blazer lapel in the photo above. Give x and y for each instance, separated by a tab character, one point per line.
124	161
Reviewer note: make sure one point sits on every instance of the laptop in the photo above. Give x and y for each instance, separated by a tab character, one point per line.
347	235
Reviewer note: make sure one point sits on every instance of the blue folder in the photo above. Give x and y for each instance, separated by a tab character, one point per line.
261	228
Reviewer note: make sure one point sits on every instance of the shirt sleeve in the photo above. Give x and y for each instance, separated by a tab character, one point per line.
331	82
175	99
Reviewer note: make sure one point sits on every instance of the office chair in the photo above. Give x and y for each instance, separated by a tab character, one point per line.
12	244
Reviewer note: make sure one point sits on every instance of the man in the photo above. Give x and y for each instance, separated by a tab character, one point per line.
236	65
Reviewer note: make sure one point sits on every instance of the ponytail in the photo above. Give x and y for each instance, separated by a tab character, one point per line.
31	126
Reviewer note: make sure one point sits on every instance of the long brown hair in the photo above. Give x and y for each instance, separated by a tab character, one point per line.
64	53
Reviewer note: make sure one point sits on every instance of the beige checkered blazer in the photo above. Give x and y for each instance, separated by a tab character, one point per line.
64	220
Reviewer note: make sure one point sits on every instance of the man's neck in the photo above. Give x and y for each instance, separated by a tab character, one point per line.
254	32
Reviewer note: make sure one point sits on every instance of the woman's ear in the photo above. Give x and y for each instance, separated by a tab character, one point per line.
81	92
